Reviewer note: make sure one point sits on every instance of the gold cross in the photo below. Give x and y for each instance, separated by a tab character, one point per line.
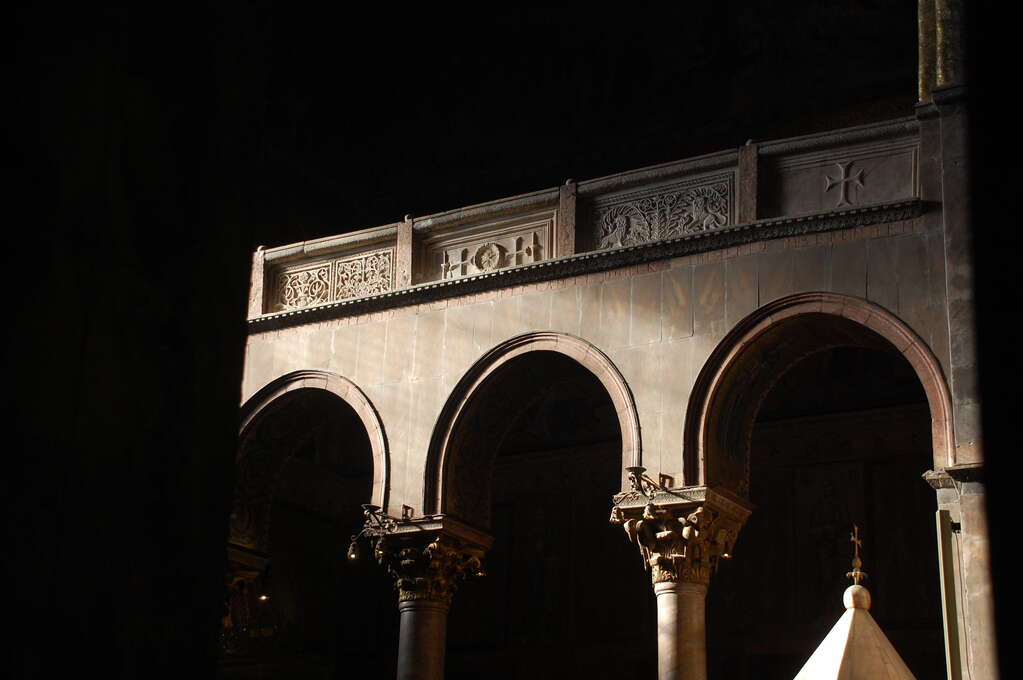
856	574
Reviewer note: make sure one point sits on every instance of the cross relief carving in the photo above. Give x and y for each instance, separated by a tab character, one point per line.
491	255
843	182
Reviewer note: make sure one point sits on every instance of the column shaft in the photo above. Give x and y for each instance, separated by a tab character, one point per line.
421	640
681	631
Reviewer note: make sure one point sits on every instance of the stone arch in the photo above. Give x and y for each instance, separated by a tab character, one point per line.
259	462
733	383
441	456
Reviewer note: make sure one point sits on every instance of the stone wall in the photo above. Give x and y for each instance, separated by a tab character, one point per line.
657	322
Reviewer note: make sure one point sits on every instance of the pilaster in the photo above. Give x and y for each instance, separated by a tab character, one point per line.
964	561
565	242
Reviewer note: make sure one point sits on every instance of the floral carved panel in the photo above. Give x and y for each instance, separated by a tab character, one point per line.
344	278
662	212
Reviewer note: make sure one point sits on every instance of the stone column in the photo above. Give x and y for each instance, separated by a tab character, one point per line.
422	637
681	534
428	558
681	630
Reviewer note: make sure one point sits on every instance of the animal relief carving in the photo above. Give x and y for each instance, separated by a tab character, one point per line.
663	213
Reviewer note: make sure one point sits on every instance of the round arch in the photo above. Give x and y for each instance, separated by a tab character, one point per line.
733	382
263	401
440	457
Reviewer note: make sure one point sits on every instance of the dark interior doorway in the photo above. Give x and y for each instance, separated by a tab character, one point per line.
565	595
843	437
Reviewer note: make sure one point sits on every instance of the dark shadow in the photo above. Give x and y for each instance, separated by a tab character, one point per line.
305	467
565	595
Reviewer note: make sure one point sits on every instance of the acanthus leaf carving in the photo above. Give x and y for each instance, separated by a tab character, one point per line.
428	568
682	541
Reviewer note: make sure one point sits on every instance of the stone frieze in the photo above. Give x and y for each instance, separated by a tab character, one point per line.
344	278
486	248
685	207
589	263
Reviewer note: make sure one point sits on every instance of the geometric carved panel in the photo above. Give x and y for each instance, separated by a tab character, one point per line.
663	212
353	276
484	248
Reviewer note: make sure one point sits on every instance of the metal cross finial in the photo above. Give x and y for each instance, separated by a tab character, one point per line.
843	182
856	574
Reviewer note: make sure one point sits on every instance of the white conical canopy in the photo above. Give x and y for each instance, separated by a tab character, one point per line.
856	648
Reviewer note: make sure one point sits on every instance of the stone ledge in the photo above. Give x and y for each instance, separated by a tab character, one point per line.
597	261
891	129
446	525
330	245
954	476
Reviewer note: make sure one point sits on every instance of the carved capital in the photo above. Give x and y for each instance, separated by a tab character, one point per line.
682	533
429	562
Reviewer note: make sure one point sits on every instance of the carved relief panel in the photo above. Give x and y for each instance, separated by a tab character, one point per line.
343	278
839	179
480	249
666	211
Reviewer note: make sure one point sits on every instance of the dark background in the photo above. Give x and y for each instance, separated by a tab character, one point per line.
153	150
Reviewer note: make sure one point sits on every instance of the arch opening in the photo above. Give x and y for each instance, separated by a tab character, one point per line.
822	420
539	443
457	482
741	371
306	463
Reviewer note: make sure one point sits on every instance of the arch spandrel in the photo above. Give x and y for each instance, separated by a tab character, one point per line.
451	475
752	357
261	456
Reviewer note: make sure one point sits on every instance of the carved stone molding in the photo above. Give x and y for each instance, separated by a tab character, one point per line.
681	533
686	207
592	262
325	281
428	558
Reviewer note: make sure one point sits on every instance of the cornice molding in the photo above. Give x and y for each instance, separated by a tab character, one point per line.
890	129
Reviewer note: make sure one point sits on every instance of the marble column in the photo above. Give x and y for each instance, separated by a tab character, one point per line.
681	630
681	534
428	559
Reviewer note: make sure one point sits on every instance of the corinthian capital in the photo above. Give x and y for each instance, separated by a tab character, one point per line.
428	558
681	533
